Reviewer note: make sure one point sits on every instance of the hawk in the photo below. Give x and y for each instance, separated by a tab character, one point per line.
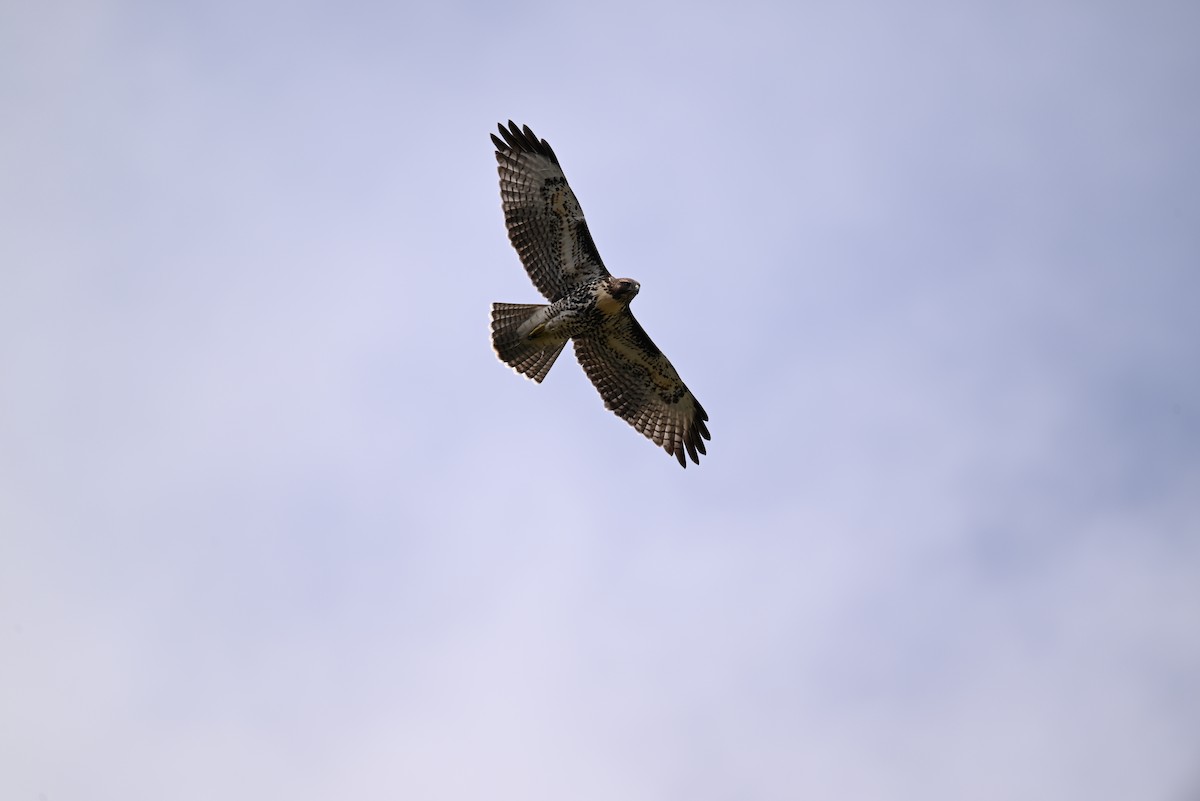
587	304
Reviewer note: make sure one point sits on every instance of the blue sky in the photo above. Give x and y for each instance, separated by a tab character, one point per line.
275	522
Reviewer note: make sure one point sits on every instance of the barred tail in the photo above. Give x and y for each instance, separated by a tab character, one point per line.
532	357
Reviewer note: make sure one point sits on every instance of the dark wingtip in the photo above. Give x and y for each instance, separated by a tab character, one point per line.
522	140
696	433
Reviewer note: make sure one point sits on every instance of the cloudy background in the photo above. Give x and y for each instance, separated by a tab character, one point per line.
275	523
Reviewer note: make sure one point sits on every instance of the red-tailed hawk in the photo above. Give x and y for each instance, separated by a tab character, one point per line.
587	305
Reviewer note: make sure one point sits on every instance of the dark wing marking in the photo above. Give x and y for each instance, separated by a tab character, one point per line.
545	223
640	386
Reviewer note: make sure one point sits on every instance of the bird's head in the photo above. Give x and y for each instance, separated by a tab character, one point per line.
623	289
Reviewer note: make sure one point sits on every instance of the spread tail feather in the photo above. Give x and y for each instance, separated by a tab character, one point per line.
532	357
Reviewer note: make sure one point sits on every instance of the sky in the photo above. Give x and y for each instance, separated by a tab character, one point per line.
276	523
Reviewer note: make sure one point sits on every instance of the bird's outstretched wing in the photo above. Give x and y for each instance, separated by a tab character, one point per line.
545	223
638	383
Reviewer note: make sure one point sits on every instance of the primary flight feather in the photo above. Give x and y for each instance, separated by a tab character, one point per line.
587	304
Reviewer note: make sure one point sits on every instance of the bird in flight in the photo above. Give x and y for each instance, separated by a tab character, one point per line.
587	304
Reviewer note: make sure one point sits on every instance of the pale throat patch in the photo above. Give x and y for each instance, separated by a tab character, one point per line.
607	304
